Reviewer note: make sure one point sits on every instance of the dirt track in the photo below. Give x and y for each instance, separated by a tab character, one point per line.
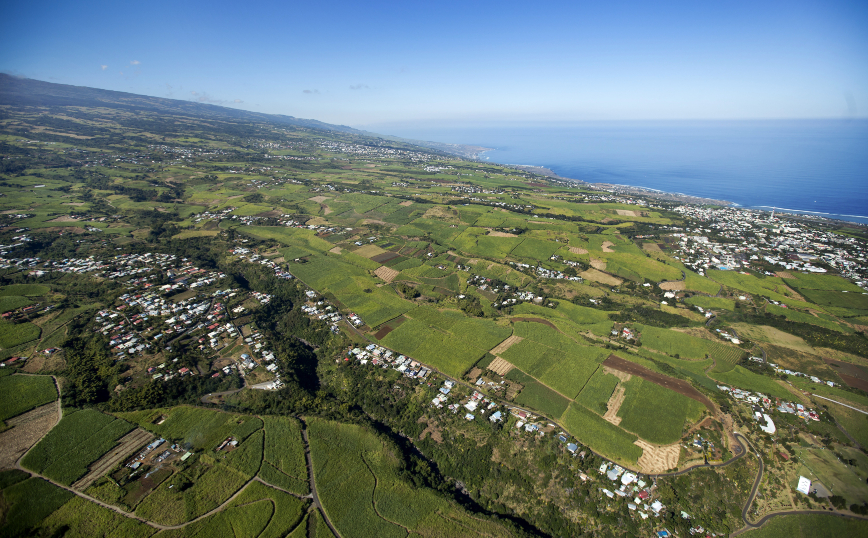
681	387
537	320
128	443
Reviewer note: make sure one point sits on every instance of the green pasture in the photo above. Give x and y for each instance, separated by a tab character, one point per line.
15	334
21	393
80	439
601	436
655	413
597	391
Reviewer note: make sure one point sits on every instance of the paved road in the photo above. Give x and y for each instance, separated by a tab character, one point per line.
208	397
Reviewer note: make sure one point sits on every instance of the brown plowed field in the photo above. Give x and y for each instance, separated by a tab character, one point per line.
383	332
384	257
128	443
578	250
680	386
854	382
672	286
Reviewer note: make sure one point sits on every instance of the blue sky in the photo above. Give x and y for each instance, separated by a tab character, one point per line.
375	64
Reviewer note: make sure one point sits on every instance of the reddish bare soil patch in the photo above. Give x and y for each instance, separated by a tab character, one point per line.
848	369
855	382
406	203
537	320
25	430
384	330
681	387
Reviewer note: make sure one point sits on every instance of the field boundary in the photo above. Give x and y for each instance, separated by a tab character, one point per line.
681	387
126	445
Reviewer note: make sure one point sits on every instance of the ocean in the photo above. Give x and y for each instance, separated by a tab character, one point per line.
813	166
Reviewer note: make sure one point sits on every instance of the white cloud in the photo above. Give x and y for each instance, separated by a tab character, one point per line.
310	91
103	67
359	87
135	62
238	101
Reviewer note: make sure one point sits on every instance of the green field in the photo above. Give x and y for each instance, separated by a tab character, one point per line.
12	302
28	502
24	289
258	512
598	390
841	299
694	282
445	340
15	334
601	436
20	393
199	428
747	380
539	397
80	439
80	518
655	413
363	495
284	464
569	374
191	493
804	317
711	302
674	343
816	281
810	526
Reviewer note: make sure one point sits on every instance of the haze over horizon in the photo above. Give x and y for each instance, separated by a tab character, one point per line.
375	65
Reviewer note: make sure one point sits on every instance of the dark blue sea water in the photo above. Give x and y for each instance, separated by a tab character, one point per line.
817	166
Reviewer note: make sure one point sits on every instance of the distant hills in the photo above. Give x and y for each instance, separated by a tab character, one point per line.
19	91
